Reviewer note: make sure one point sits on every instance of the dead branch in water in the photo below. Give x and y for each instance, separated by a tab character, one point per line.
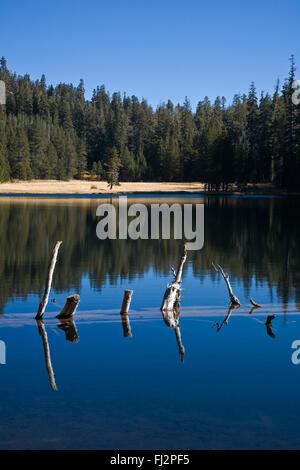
124	313
170	303
45	299
233	299
43	334
172	293
70	307
255	304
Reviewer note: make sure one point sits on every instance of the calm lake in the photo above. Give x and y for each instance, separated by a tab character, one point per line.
208	385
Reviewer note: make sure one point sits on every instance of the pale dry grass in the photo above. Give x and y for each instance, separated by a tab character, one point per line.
98	187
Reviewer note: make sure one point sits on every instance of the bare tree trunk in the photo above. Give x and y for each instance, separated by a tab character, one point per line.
233	299
70	307
45	299
124	313
172	293
43	334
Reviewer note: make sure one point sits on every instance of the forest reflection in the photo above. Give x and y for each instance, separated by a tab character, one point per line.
252	237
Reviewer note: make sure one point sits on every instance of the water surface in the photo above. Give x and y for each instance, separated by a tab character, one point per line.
235	387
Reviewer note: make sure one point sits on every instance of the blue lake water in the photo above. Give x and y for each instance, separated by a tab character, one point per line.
235	388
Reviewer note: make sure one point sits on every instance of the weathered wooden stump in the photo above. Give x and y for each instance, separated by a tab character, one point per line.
126	301
70	307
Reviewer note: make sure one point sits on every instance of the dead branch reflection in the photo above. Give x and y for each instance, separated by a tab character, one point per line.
43	334
226	319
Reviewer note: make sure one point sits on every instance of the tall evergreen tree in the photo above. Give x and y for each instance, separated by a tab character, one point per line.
21	168
113	168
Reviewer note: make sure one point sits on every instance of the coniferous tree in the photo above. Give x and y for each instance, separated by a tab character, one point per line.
252	164
81	158
113	168
290	163
128	165
52	159
21	168
4	164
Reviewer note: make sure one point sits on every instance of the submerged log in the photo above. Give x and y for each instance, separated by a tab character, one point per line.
45	299
233	299
173	292
69	327
70	307
43	334
124	313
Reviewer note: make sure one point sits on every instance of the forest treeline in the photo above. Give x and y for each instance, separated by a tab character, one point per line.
54	132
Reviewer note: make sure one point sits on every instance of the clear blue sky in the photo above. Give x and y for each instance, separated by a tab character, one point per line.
153	49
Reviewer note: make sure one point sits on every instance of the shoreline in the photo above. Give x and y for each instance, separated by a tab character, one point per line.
80	189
